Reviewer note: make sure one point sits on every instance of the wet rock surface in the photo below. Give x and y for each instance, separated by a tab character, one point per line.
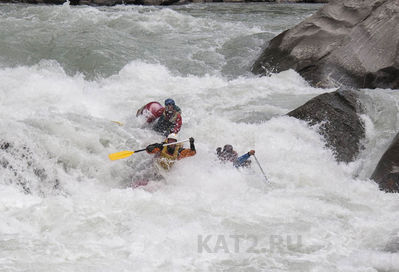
337	115
346	43
386	174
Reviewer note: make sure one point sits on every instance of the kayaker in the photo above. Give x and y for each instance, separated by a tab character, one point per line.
170	121
167	155
228	154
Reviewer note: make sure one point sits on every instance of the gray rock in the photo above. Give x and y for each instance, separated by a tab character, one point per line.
346	43
337	114
386	174
126	2
148	2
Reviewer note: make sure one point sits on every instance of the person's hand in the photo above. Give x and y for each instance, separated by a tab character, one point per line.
251	152
191	140
218	150
150	147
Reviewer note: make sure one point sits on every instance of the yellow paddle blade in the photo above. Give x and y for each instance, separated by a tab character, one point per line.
120	155
117	122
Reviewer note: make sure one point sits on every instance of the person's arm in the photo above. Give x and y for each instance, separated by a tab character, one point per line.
177	109
154	148
241	160
188	152
177	125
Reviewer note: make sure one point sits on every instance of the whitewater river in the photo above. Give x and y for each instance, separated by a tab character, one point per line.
67	72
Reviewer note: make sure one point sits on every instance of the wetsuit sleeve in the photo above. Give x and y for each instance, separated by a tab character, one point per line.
186	153
177	126
153	148
240	160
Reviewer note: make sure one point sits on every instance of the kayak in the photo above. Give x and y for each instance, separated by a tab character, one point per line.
151	111
139	183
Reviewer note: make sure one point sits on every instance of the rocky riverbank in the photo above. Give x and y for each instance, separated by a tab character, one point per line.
150	2
346	43
351	45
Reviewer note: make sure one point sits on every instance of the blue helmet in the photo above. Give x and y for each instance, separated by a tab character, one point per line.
169	101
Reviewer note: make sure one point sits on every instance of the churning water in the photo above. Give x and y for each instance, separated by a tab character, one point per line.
67	72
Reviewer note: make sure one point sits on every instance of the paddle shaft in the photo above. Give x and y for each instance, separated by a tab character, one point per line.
139	150
164	145
176	142
260	167
125	154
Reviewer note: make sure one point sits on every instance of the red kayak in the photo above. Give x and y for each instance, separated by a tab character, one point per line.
147	185
139	183
151	111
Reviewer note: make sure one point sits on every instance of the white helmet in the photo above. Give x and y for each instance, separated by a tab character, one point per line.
172	136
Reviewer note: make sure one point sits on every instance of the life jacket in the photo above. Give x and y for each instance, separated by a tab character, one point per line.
228	156
165	125
166	160
173	118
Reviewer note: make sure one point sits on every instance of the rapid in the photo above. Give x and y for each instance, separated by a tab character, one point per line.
67	73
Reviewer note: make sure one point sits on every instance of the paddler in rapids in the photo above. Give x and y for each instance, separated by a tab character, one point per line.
167	153
167	119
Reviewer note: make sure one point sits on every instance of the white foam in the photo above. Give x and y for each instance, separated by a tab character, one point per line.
94	221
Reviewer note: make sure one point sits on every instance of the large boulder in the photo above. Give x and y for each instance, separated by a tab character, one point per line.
126	2
386	174
345	43
337	115
148	2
